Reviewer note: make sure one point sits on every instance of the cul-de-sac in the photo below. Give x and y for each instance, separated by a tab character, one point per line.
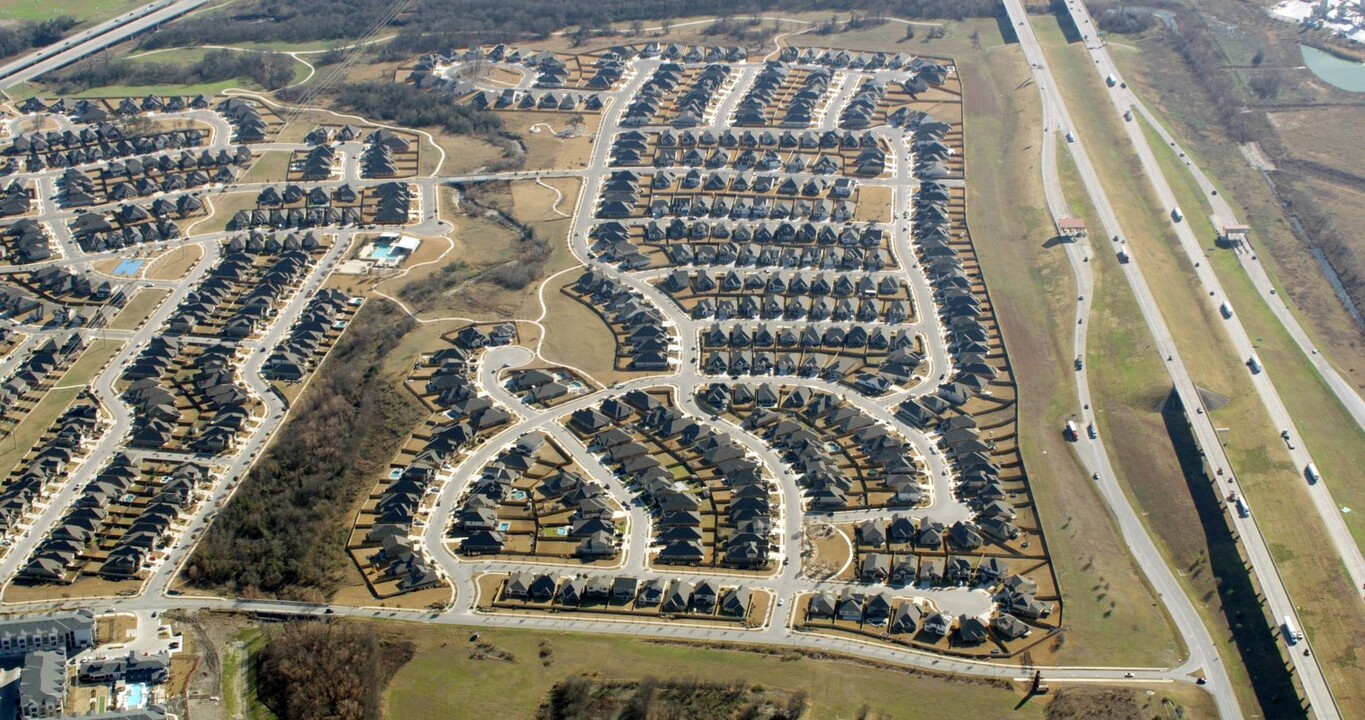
771	359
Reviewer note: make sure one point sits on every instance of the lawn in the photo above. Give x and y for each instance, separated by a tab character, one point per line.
89	12
271	166
174	263
1326	602
139	307
444	681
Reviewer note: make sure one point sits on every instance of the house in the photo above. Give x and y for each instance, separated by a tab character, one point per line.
875	567
42	685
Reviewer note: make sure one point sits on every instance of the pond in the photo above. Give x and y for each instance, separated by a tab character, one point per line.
1337	72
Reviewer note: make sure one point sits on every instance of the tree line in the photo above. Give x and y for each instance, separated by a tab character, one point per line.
431	25
268	70
24	36
283	533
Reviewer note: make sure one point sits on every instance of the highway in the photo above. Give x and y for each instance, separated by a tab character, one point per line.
1254	544
1328	510
92	40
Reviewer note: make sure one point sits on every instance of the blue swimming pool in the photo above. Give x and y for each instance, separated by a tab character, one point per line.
135	696
128	268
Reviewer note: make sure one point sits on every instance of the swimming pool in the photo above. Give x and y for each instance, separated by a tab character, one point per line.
504	526
127	268
134	696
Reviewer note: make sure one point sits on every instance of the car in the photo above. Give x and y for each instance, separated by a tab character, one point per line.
1094	476
781	602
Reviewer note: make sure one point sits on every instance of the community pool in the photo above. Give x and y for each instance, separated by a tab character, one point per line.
134	696
128	268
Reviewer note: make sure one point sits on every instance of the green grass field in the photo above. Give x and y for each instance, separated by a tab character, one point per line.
444	682
89	12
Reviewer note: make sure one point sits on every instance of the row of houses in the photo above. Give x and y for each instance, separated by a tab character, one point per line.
69	148
293	194
161	377
394	514
788	284
309	337
870	61
19	305
671	597
838	190
643	342
511	98
67	441
688	108
80	109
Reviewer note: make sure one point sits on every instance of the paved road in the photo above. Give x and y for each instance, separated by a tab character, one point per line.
92	40
1122	99
1254	544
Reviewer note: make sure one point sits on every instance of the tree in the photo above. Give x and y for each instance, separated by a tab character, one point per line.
976	39
637	28
666	26
909	31
1258	58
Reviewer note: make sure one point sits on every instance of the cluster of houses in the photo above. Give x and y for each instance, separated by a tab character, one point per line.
392	203
14	200
837	296
69	148
378	159
25	241
552	72
208	386
67	547
858	112
67	441
741	527
832	353
659	95
41	644
247	123
398	560
668	597
239	295
808	152
127	226
591	525
885	464
538	386
318	163
38	368
798	108
141	177
642	340
76	300
783	245
310	336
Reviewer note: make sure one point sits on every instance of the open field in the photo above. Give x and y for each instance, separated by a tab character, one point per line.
174	263
1294	535
444	681
271	166
142	304
89	12
576	336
